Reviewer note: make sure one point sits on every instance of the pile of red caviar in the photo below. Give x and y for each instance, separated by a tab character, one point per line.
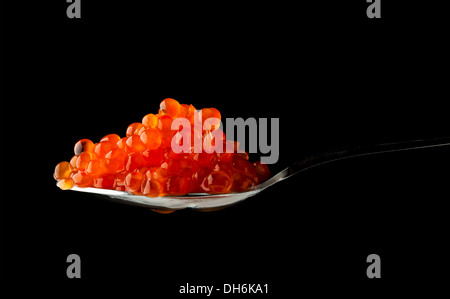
144	163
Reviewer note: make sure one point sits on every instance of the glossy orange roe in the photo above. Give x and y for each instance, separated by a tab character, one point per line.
144	163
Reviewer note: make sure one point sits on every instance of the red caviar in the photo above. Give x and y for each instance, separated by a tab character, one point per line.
145	163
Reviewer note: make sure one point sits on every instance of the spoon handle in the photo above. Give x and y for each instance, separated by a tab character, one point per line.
357	151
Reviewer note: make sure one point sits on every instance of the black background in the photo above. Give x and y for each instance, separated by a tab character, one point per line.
332	76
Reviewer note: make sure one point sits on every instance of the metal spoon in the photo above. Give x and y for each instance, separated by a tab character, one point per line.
208	202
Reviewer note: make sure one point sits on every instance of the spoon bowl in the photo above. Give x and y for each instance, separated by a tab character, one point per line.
200	201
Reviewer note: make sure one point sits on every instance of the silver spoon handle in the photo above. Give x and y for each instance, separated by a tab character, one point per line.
351	152
358	151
